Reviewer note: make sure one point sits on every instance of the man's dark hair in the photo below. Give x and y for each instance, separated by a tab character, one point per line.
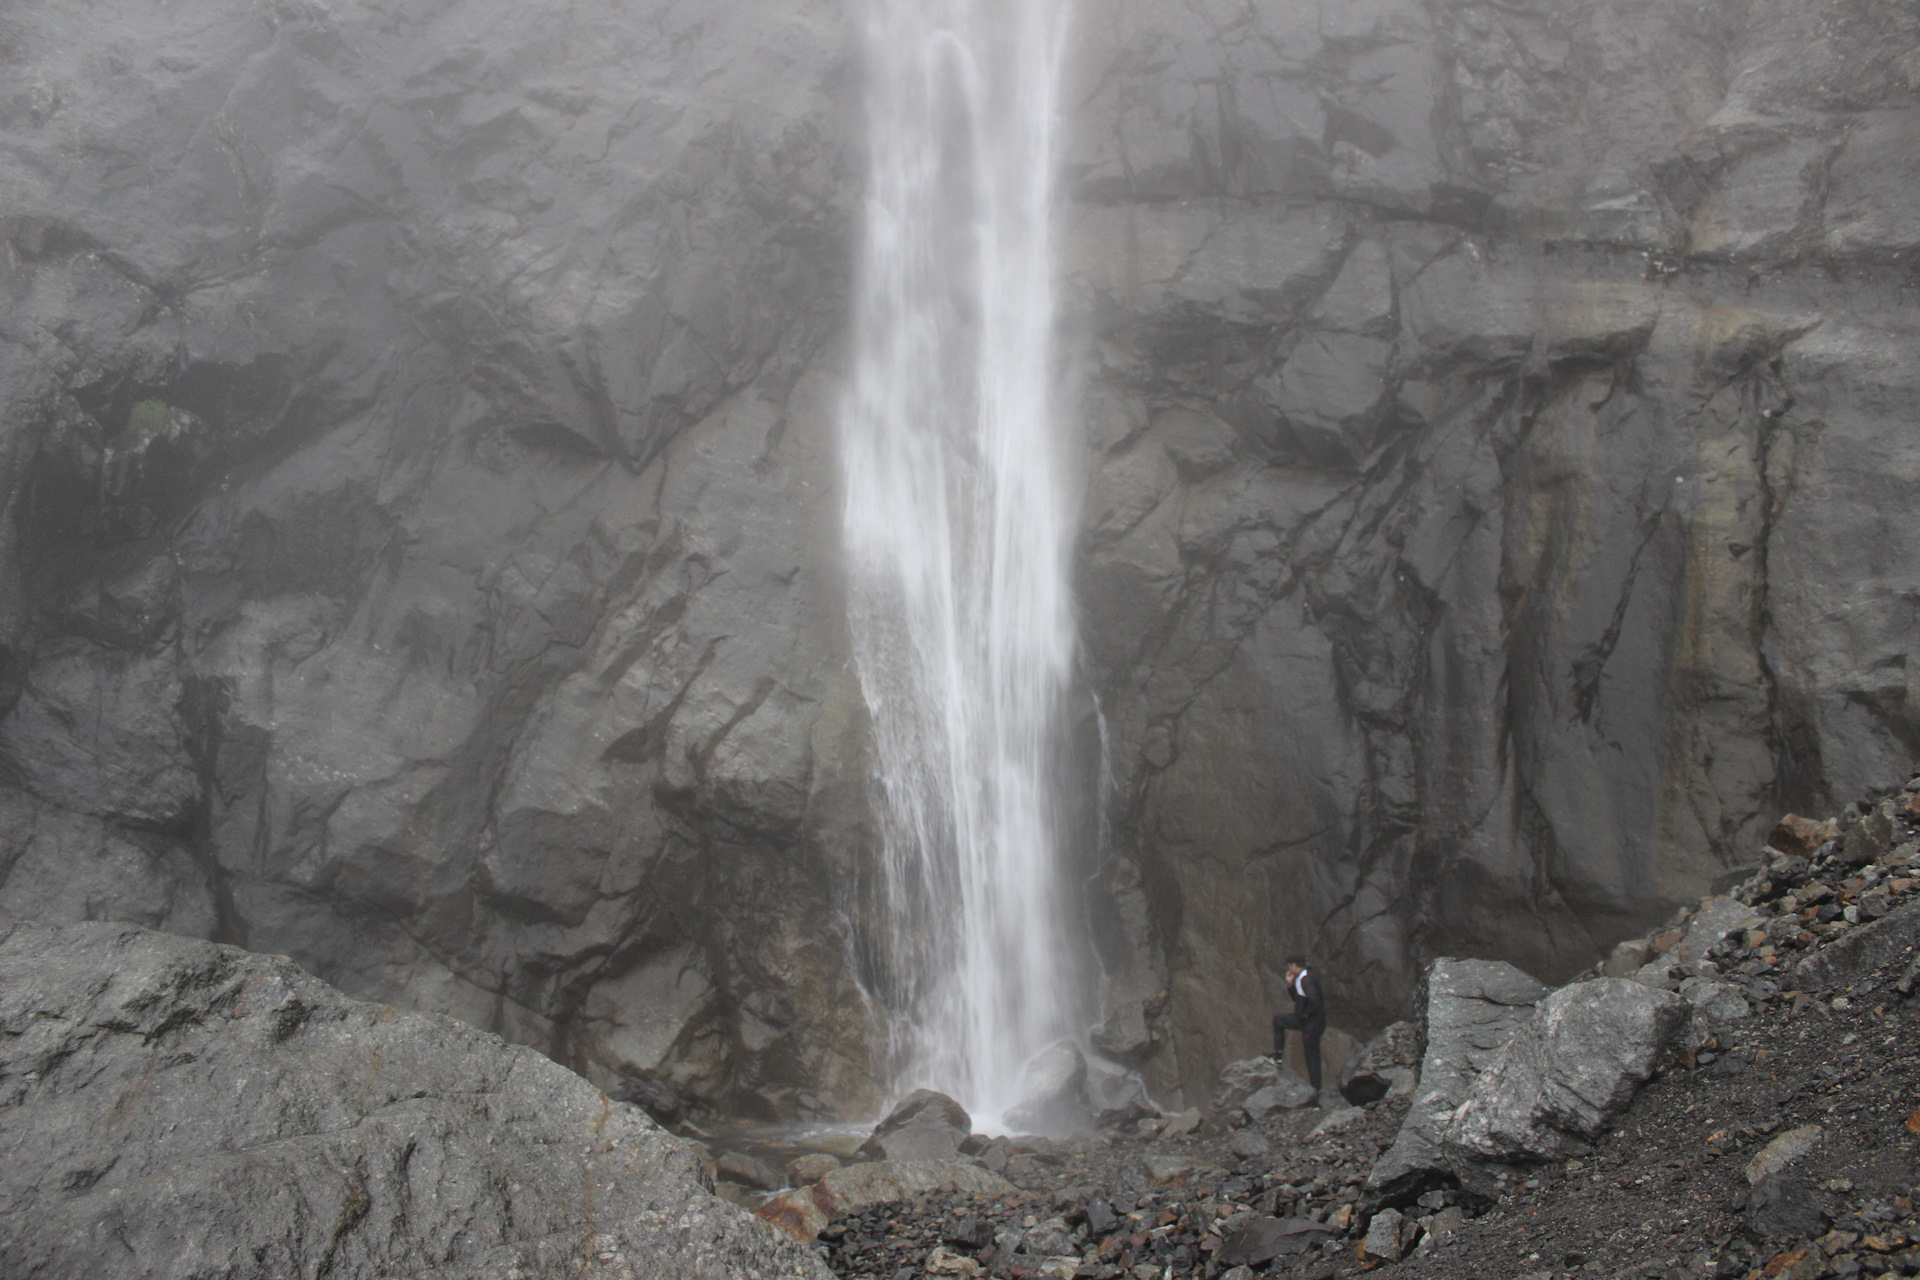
1297	959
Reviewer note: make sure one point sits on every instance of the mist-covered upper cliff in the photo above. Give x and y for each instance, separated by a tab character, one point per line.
1500	431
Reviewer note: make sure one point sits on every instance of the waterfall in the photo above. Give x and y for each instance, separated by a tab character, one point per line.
957	530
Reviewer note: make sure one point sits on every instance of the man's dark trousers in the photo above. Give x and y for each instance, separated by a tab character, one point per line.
1309	1018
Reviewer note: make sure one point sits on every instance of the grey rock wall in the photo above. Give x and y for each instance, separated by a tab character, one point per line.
419	544
1500	433
418	562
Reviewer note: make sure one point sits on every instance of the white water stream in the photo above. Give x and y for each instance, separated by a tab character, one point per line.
957	528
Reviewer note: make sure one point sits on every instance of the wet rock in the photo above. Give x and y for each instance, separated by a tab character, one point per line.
1127	1116
926	1125
1472	1009
209	1095
1565	1075
810	1168
411	730
1053	1088
656	1097
926	1106
913	1142
746	1170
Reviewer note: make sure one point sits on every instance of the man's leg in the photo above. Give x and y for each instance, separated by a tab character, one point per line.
1311	1036
1283	1023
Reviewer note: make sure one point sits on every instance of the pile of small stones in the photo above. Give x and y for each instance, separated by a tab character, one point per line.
1683	1190
1161	1198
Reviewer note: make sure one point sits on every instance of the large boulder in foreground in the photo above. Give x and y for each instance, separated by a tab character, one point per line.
174	1108
1472	1009
1563	1077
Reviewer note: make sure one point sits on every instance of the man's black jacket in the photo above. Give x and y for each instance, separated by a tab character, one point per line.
1311	1007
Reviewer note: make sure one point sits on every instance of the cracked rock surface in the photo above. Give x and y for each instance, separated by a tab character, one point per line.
176	1108
416	436
1490	408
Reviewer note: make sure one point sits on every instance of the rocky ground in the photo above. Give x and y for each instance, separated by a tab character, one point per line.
1780	1141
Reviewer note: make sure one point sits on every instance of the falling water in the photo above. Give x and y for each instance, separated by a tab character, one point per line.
957	529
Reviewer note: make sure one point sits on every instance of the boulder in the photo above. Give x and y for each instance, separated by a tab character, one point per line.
810	1168
1288	1093
1127	1115
1163	1167
1783	1206
914	1142
1265	1239
1564	1076
1858	952
656	1097
1798	836
1869	839
926	1106
1249	1145
177	1107
1383	1236
926	1125
1240	1080
1715	1006
1717	917
1626	958
802	1212
944	1262
748	1171
1048	1239
1386	1066
1053	1091
1338	1121
1188	1121
1784	1150
1470	1010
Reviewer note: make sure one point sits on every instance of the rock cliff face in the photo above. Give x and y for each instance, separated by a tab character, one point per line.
419	532
1501	422
419	544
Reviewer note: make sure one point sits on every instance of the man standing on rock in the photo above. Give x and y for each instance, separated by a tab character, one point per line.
1309	1017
